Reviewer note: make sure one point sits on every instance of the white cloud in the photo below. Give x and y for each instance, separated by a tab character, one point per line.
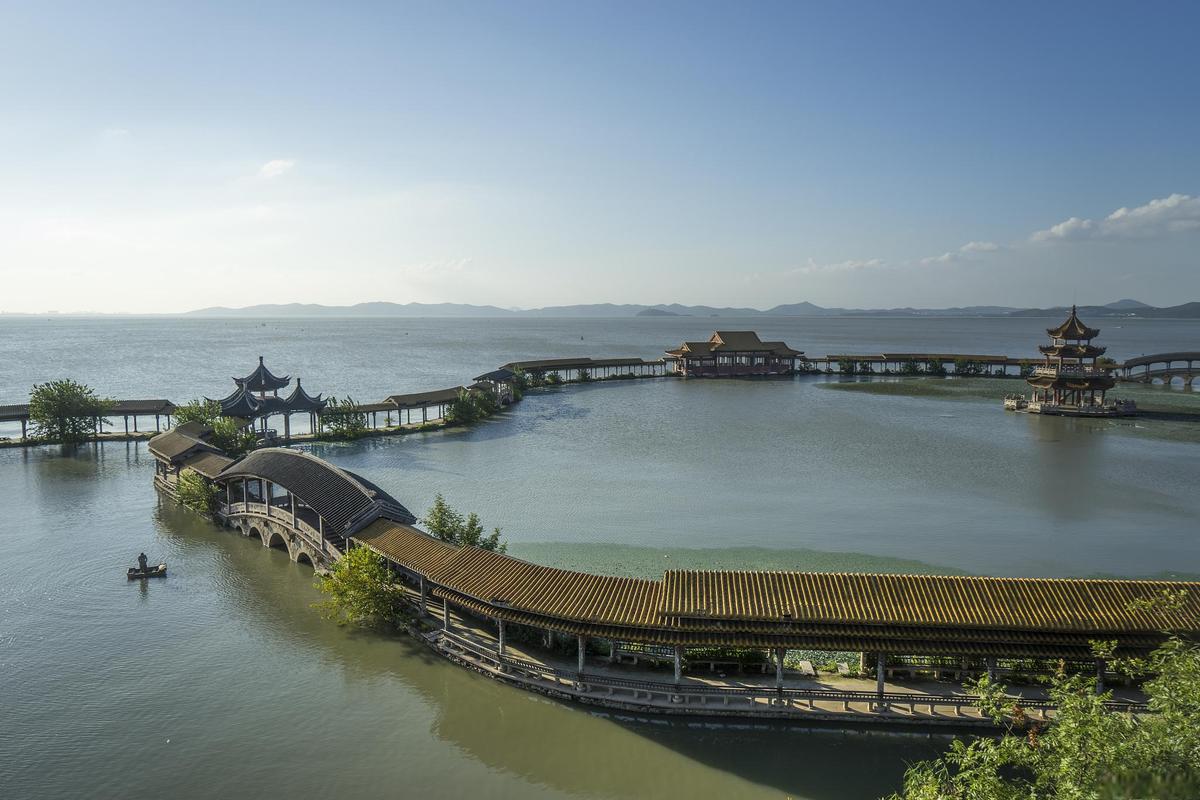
840	266
1162	216
275	167
951	256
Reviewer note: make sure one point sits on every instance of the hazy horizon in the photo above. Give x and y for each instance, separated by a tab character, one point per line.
169	157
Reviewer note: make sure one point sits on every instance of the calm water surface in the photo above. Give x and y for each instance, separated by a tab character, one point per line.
222	681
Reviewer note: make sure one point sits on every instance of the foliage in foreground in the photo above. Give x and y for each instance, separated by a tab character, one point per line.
450	526
196	493
1088	752
358	590
65	411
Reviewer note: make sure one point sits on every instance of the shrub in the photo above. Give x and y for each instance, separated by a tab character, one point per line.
196	492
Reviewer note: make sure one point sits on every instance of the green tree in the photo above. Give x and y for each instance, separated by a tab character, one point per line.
847	366
471	406
450	526
910	367
520	382
65	411
196	493
935	368
232	436
1087	752
584	376
553	379
344	419
198	410
358	590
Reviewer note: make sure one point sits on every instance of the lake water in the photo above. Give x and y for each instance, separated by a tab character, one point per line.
221	681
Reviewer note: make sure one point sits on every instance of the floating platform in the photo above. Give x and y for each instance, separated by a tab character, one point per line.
1117	408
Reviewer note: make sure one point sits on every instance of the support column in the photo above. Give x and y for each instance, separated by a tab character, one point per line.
612	650
880	671
779	651
424	597
292	501
500	636
990	661
126	419
135	430
678	662
549	639
445	615
1101	665
157	426
582	642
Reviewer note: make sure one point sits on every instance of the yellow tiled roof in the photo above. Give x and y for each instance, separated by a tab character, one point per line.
509	582
1076	605
407	546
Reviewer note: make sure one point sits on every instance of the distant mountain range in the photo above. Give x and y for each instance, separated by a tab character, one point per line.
1120	308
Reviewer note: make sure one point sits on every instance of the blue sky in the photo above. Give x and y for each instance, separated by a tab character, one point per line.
164	156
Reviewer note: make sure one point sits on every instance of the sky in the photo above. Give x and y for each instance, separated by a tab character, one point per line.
161	157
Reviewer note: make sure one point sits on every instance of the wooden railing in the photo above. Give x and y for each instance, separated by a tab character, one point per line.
587	680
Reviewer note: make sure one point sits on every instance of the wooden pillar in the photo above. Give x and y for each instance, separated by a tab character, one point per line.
157	426
612	650
292	499
126	420
424	596
287	426
880	672
445	615
779	651
678	663
582	643
24	431
135	430
500	636
424	417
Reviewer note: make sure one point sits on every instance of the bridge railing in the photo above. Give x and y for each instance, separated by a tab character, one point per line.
591	679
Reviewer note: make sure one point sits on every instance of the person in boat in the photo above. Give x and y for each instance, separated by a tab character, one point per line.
142	560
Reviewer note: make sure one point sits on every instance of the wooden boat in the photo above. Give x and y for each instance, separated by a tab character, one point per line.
150	572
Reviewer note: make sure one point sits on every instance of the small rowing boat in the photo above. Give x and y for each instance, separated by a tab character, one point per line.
149	572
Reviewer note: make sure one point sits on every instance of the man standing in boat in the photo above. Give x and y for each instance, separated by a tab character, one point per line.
142	562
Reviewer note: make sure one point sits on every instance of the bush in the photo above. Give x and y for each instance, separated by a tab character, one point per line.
231	435
344	419
65	411
471	407
553	379
203	411
196	492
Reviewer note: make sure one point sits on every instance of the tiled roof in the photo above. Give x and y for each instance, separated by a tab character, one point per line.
1073	328
180	440
340	497
208	464
420	399
409	547
1049	604
509	582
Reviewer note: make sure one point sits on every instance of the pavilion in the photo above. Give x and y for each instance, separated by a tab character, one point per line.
250	400
734	354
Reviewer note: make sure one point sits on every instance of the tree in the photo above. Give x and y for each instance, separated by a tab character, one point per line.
65	411
520	382
450	526
232	436
847	366
471	406
345	419
359	590
965	366
203	411
910	367
196	493
553	379
1088	751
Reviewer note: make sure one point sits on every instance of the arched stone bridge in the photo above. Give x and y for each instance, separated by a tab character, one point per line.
1162	366
301	504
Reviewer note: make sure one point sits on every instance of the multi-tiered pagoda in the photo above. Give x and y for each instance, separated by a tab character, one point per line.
256	398
1071	382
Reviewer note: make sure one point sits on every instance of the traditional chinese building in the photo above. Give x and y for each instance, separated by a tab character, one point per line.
734	354
1071	382
256	398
